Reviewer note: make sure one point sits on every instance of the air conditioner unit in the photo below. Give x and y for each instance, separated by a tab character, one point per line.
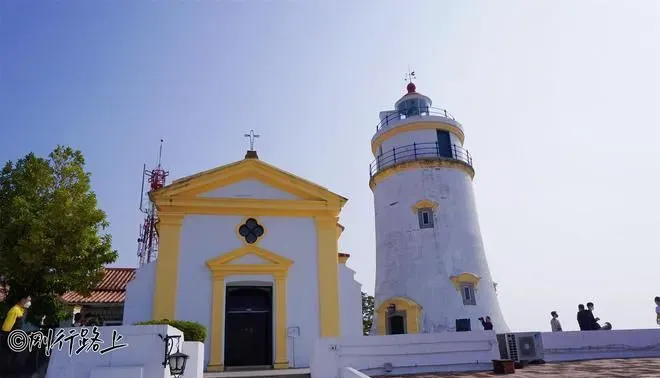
521	347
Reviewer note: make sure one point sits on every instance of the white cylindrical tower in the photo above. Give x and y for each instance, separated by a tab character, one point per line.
431	268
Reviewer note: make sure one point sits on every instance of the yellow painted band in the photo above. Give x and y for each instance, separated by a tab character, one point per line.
417	164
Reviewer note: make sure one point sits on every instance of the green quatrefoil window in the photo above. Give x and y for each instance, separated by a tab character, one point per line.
251	231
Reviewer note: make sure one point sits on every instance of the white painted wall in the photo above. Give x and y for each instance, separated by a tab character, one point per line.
249	189
140	295
591	345
350	299
195	364
206	237
408	354
417	263
142	358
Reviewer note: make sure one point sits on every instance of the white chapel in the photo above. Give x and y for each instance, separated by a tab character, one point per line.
251	252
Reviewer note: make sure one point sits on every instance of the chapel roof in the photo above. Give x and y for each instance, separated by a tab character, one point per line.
250	162
111	289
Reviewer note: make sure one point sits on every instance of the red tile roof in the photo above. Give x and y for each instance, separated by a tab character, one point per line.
112	289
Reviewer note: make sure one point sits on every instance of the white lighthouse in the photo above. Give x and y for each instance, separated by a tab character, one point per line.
431	268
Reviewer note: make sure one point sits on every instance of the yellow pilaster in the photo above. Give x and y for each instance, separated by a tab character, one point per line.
217	323
326	229
169	240
281	358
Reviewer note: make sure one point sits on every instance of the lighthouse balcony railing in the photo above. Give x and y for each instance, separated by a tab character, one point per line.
418	151
395	117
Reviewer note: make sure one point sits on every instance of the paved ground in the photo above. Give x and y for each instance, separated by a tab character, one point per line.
633	368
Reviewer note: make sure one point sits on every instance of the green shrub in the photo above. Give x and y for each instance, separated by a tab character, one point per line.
192	331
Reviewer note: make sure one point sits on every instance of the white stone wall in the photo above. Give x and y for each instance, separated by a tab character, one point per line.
418	263
138	305
350	299
141	358
206	237
408	354
592	345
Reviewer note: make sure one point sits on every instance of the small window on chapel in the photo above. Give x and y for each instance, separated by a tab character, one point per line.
425	216
251	231
467	291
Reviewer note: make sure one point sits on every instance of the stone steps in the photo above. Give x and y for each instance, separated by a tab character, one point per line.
269	373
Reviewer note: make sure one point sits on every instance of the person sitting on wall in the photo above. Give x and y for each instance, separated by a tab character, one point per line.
555	325
582	318
487	324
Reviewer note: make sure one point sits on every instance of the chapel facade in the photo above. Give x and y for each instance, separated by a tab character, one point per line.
251	252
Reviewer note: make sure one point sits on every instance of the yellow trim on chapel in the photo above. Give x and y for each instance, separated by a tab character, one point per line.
193	186
181	198
418	164
465	277
423	204
221	267
167	265
415	126
412	309
328	277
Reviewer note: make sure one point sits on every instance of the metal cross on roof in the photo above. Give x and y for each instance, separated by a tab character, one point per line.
251	136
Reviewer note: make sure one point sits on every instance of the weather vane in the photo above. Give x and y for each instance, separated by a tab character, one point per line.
410	76
251	136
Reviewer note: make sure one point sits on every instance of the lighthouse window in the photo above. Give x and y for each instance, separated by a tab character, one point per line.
425	216
467	291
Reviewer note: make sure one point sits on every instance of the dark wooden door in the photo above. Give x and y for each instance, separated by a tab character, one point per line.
444	144
396	325
248	327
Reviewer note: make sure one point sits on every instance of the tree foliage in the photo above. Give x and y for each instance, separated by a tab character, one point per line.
51	231
367	313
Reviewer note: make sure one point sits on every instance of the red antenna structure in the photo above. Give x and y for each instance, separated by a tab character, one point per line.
148	236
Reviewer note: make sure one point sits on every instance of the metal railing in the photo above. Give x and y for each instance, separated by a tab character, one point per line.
418	112
418	151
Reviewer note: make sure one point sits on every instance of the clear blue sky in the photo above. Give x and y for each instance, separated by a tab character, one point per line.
559	101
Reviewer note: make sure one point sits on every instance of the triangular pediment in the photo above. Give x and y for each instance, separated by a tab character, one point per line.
250	258
248	188
248	255
210	184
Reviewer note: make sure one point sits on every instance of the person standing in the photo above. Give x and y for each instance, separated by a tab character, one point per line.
582	318
13	321
555	325
593	321
15	315
657	310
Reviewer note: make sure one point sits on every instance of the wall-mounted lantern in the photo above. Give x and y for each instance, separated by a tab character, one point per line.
391	309
176	361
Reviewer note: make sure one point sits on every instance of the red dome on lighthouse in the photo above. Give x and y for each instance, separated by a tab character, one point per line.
411	88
